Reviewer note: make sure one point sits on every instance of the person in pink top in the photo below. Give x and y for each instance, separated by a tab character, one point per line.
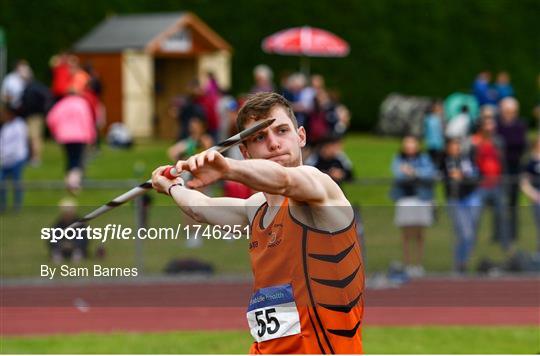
72	125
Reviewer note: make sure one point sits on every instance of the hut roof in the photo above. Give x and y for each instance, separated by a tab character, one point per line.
139	31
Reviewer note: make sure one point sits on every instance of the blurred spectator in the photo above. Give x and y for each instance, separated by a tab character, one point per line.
68	249
536	110
197	141
72	125
94	83
434	132
189	107
61	74
226	107
482	90
119	136
13	155
231	188
307	96
530	184
329	117
263	76
342	118
332	160
36	101
229	118
284	84
210	98
459	127
79	77
92	93
503	87
296	83
513	132
412	191
460	183
14	83
487	151
310	92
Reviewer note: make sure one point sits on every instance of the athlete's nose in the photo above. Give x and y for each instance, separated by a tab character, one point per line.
273	143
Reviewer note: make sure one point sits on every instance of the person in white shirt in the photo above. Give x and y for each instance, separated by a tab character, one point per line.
459	126
13	155
14	84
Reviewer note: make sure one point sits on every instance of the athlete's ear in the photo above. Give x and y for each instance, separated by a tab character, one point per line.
244	151
302	134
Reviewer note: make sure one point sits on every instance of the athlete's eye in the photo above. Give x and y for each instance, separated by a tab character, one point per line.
283	130
258	138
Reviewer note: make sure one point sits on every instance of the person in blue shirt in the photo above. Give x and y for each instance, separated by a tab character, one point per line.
412	191
434	132
482	90
503	86
461	178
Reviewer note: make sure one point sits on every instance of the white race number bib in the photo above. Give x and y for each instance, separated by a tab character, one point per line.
272	313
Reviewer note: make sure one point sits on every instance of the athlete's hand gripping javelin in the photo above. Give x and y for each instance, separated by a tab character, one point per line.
206	168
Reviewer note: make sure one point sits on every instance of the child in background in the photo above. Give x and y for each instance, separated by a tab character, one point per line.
331	159
73	250
13	155
412	191
197	141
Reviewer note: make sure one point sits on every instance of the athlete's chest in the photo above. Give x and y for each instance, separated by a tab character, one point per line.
276	249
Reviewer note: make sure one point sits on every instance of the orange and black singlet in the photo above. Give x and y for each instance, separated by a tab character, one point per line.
308	287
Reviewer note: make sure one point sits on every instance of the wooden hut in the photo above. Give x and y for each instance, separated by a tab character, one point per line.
145	60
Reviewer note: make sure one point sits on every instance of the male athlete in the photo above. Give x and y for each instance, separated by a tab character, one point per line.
306	260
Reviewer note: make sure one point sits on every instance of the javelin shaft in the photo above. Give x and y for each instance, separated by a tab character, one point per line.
144	187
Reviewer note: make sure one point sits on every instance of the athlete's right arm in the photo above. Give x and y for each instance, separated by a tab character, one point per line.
202	208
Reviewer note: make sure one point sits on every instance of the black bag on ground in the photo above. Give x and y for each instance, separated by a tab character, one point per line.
188	265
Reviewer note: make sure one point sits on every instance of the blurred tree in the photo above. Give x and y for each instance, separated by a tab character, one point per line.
416	47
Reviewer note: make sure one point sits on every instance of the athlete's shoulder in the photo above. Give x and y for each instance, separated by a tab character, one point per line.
333	195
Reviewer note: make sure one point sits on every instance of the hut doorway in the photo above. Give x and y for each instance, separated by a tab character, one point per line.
172	76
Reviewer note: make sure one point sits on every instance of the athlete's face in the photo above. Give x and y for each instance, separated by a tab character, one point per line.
280	142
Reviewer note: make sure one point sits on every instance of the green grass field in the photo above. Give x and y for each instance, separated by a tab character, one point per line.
22	251
377	340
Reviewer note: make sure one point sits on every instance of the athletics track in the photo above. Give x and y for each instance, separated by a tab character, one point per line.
31	309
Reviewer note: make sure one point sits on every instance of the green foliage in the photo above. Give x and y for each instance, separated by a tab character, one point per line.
416	47
377	340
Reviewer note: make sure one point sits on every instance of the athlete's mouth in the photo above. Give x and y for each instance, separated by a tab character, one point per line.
277	157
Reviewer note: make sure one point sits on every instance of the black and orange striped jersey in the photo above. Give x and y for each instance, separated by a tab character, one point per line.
308	287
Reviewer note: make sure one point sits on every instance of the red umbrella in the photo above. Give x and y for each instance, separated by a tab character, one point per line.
306	42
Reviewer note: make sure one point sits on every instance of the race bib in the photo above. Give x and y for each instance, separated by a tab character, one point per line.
272	313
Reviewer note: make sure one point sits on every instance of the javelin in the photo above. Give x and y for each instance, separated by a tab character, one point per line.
144	187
